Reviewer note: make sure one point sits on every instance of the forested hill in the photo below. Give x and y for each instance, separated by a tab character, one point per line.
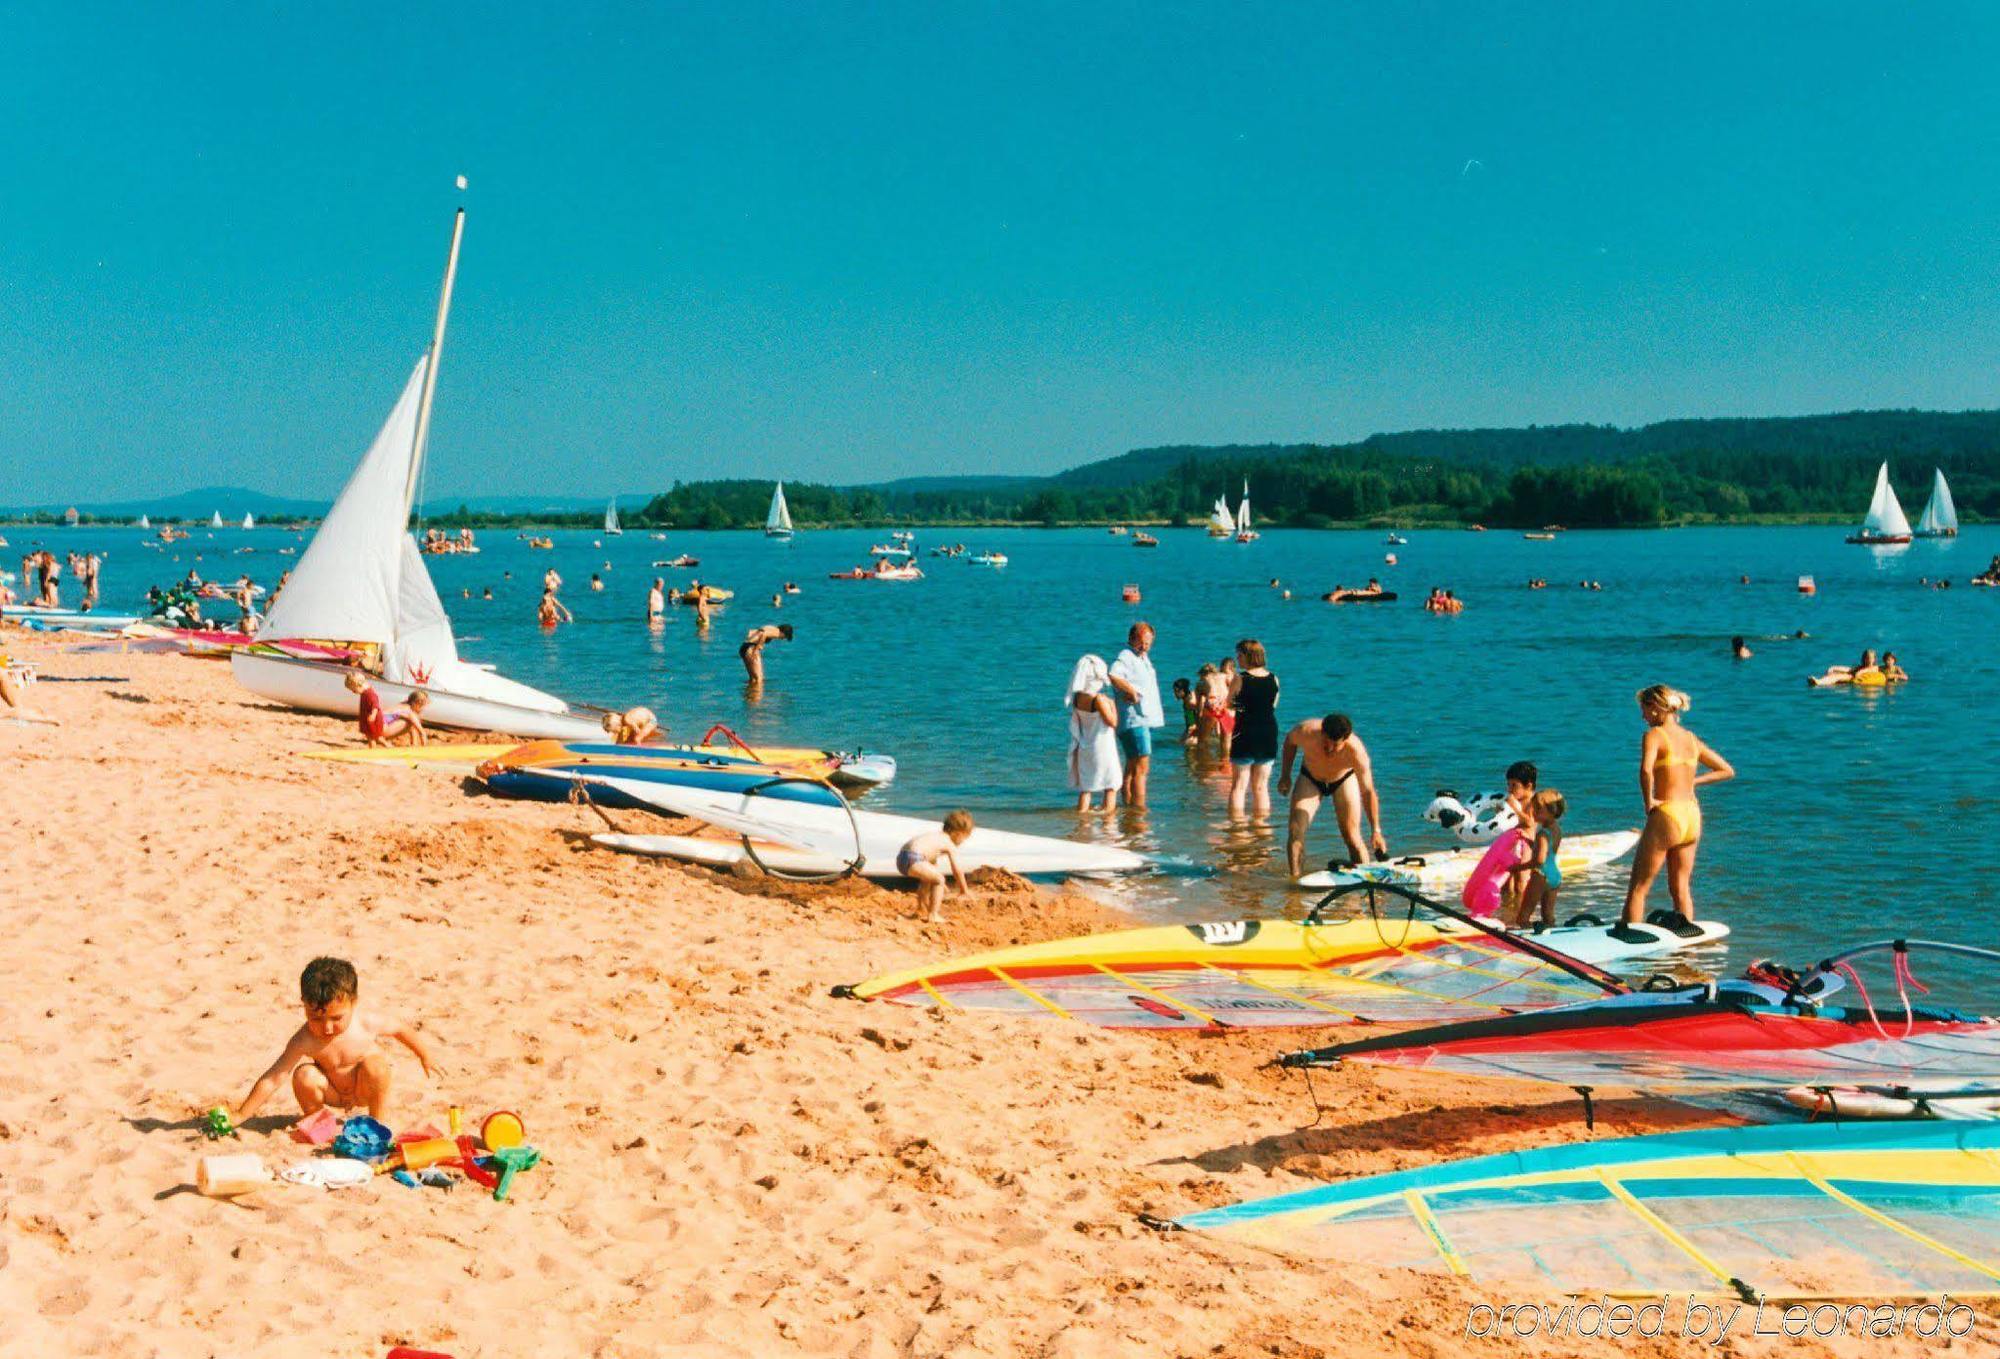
1678	471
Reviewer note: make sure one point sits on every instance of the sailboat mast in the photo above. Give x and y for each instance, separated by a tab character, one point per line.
431	368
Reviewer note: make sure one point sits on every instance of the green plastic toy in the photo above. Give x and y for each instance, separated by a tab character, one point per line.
512	1161
215	1125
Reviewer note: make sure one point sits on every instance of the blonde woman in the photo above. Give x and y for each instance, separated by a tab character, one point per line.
1670	769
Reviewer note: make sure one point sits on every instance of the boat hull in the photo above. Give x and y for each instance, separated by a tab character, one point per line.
321	687
1879	539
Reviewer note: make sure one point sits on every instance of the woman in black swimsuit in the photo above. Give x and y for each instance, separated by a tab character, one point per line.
1254	749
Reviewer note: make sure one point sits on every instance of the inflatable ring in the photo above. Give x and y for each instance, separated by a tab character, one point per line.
1478	820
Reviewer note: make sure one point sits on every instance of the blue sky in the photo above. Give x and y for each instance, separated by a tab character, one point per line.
850	242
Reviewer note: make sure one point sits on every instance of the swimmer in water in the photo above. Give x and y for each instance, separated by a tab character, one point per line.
1740	649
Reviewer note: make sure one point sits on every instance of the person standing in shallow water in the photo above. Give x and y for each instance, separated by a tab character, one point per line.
1137	689
1670	769
1250	741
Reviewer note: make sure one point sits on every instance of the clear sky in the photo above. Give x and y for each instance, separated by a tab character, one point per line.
849	242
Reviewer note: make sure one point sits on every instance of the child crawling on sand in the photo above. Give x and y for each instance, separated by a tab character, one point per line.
336	1056
918	859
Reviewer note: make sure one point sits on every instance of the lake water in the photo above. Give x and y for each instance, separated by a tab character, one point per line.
1855	814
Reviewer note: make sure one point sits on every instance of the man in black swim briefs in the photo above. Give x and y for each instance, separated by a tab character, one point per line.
1333	763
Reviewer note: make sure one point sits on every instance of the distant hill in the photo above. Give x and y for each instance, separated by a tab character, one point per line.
233	502
1684	471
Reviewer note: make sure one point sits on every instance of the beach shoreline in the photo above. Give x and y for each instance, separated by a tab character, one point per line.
737	1162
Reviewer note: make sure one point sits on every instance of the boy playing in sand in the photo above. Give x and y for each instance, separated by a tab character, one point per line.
918	859
336	1056
370	715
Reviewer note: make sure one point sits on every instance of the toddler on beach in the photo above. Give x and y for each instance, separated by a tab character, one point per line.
1541	874
336	1057
918	859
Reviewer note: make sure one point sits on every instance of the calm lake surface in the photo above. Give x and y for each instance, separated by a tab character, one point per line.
1856	814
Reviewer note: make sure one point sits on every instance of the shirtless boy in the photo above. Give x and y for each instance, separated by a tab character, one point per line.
336	1056
919	859
1332	763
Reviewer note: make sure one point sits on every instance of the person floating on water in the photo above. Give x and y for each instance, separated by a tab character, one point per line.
336	1057
633	727
1251	744
1670	769
1740	649
918	859
1333	762
1094	766
1137	689
1866	673
751	653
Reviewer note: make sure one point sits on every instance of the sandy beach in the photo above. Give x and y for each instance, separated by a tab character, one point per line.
736	1163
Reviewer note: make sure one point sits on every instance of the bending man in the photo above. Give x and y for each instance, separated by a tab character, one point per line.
1332	763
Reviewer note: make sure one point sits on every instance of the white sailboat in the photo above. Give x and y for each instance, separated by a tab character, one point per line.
611	518
1886	522
249	522
215	520
778	523
1940	516
144	522
361	585
1221	523
1244	533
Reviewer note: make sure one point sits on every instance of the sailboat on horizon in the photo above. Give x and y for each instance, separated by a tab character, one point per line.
361	587
215	520
1940	516
1244	533
144	522
1221	519
1885	524
611	518
778	522
248	521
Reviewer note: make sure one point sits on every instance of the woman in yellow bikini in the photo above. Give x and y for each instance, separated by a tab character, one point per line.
1670	760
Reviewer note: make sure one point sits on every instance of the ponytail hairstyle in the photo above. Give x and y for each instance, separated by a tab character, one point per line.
1665	698
1549	805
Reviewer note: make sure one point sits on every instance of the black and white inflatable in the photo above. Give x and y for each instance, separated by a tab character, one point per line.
1478	820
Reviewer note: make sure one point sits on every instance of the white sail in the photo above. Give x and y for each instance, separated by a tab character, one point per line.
611	517
215	520
1885	513
1220	520
1243	509
348	585
1940	517
778	523
145	522
249	522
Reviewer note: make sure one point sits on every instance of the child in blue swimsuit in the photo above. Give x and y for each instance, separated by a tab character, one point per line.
1544	877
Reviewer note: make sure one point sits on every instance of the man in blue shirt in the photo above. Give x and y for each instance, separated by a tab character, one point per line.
1137	691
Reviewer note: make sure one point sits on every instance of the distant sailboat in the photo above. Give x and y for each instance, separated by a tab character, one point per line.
611	518
1886	523
144	522
361	586
249	522
1940	517
778	523
1221	523
1244	533
215	520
